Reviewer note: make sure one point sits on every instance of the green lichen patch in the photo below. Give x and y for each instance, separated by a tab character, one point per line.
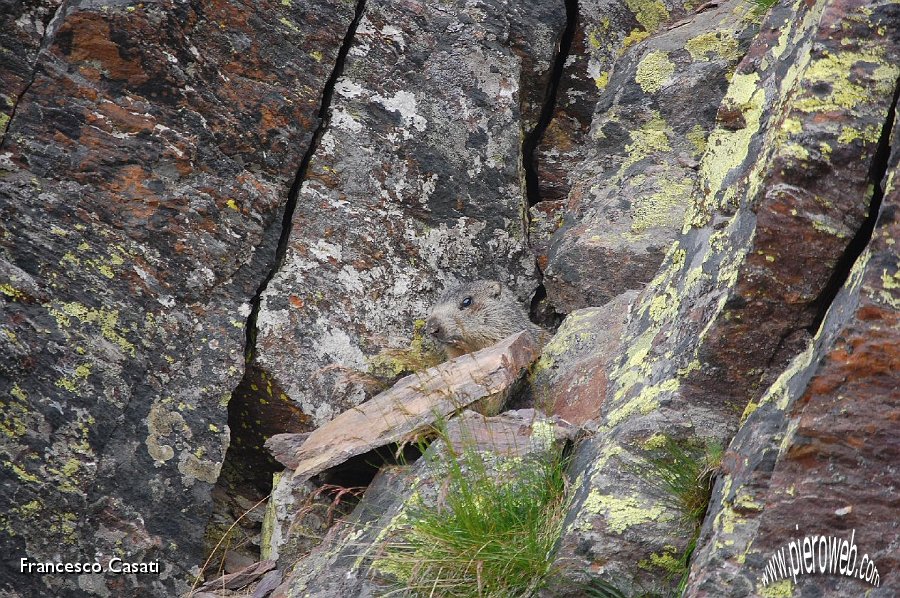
781	589
645	402
834	71
633	37
653	71
621	513
15	414
418	356
12	292
646	140
697	137
649	13
668	561
728	149
106	319
664	208
713	45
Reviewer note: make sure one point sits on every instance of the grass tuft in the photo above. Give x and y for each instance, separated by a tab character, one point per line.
682	472
761	7
492	532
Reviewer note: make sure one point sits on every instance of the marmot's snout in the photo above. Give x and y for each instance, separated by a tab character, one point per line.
434	329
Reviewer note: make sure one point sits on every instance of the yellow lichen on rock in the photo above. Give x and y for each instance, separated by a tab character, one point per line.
649	13
620	513
653	71
713	45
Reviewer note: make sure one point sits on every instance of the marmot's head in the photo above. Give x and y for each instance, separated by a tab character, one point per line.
475	315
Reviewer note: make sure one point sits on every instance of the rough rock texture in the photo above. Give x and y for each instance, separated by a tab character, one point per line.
416	183
785	184
163	163
569	380
342	564
604	30
636	164
820	449
142	178
298	514
22	27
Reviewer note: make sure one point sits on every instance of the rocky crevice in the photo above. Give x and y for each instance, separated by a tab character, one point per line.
45	39
859	242
244	478
540	309
531	141
294	192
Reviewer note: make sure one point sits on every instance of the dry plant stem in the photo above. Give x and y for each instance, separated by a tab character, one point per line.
219	543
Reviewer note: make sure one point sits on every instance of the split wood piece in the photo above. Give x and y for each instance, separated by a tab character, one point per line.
411	405
510	434
239	579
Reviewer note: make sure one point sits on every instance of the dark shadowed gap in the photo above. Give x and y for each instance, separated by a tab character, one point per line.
531	141
239	404
246	474
542	312
540	309
46	39
293	194
861	239
359	471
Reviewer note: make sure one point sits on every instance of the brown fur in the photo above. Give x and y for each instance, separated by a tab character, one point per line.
494	314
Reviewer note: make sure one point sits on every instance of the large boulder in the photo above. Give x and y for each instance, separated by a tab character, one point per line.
619	160
786	184
143	176
417	183
602	31
817	453
570	378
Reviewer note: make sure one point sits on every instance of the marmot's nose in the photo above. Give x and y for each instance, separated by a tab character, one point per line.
433	328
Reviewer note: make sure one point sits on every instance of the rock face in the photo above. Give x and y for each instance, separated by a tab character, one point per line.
619	159
241	210
570	379
816	455
417	183
22	27
767	241
604	30
343	564
142	179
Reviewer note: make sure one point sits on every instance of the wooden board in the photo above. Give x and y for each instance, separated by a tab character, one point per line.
411	405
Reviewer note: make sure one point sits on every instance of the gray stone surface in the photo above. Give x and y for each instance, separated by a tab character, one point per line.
417	183
817	454
766	236
147	153
142	179
631	170
570	377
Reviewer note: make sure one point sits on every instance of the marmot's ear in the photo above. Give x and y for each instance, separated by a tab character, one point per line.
496	288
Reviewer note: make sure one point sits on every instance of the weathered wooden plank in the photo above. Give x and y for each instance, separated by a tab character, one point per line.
415	402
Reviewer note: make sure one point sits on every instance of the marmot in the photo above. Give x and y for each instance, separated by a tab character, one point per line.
476	315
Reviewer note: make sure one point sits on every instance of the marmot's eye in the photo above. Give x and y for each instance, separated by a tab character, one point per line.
465	303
